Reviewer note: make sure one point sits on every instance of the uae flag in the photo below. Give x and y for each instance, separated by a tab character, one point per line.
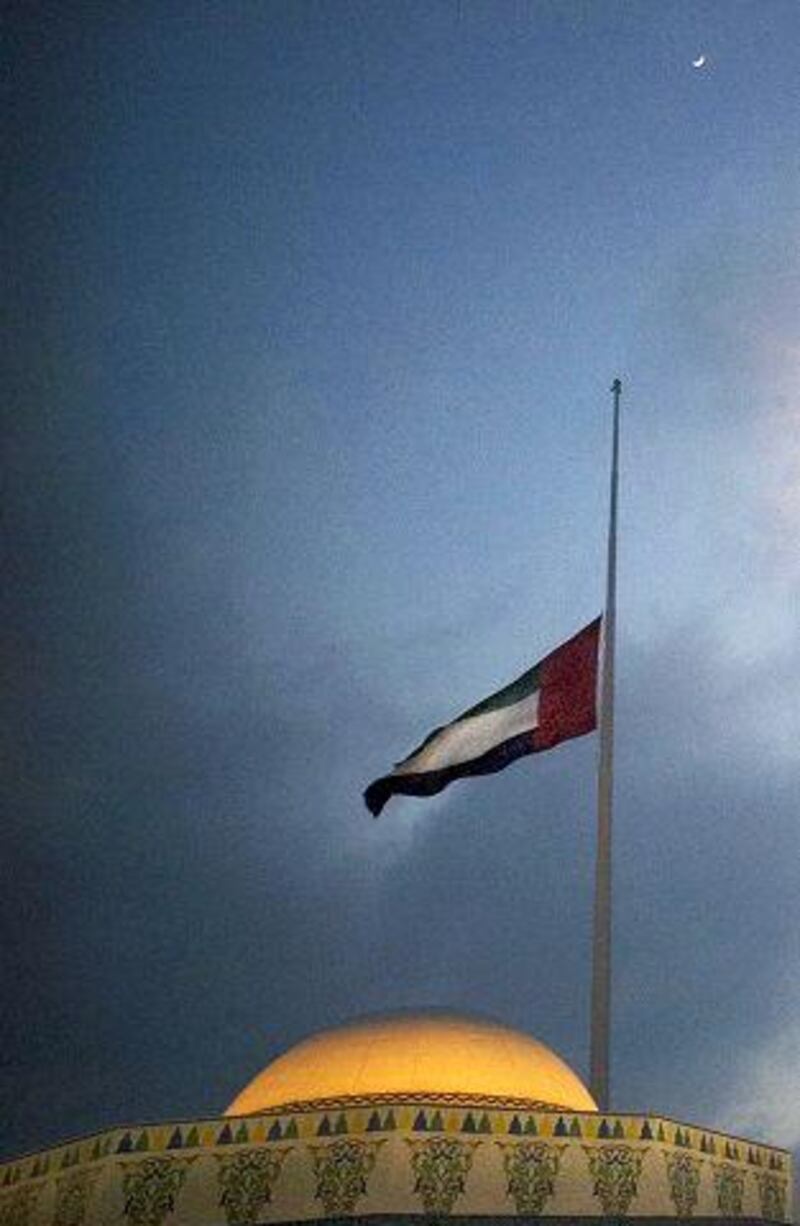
551	702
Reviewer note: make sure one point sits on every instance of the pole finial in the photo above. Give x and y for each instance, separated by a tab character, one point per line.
616	386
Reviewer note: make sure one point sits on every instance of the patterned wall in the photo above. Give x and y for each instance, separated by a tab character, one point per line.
426	1159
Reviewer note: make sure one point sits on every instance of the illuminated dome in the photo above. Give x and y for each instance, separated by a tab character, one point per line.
422	1056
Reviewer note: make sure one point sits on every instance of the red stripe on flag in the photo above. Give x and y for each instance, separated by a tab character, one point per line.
568	697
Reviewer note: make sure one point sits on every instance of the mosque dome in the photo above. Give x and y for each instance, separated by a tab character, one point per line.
445	1057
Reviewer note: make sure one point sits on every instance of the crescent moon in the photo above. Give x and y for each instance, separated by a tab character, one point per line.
699	62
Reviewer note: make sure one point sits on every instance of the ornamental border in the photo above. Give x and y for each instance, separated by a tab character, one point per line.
451	1098
222	1131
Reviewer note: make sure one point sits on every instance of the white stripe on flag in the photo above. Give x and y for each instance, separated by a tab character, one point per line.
467	739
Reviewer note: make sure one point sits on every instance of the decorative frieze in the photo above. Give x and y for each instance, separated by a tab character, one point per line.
397	1160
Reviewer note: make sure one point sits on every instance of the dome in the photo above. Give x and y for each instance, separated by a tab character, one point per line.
417	1056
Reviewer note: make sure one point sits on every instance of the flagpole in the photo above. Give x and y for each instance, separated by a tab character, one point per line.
601	959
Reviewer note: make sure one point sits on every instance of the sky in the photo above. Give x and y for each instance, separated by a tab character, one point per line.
313	316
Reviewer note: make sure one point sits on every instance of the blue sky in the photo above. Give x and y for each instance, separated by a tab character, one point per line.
314	314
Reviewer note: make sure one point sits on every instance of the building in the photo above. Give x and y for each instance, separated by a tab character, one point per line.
416	1117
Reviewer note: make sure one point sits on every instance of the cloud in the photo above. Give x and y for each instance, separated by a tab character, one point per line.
765	1083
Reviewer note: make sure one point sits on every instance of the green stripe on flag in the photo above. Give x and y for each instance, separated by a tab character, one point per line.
523	687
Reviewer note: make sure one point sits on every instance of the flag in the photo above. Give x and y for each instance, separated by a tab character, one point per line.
551	702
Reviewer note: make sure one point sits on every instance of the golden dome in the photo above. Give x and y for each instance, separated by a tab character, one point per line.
418	1056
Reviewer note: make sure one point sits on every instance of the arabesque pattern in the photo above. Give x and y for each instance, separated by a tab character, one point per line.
772	1190
531	1168
246	1180
683	1176
73	1192
16	1208
615	1171
342	1172
729	1187
441	1166
151	1188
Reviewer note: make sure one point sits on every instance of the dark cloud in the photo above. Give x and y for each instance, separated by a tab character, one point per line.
196	882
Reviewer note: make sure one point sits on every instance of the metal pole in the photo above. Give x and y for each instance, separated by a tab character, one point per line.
601	960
